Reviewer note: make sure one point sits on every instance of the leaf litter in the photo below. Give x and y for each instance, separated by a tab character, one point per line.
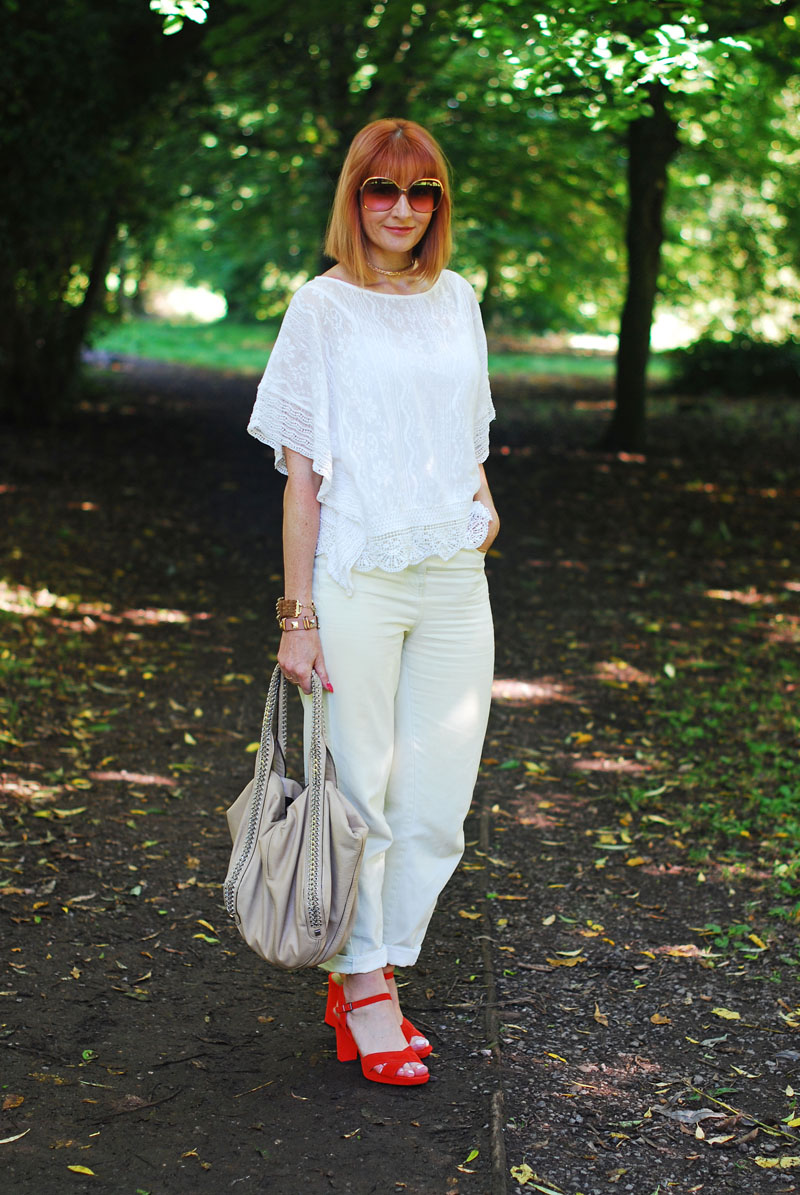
594	834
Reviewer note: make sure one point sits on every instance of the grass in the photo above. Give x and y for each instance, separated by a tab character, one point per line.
735	796
244	348
225	345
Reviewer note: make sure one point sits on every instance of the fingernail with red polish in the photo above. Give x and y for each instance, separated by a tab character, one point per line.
329	687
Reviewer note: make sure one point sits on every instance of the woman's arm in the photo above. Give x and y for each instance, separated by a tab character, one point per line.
300	650
484	495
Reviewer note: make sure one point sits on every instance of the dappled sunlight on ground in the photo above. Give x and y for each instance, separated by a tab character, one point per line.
784	628
604	764
599	404
20	788
19	599
620	672
135	778
746	597
532	808
520	692
608	1078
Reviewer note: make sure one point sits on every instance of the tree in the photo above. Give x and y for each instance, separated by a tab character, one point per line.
269	145
82	86
626	62
215	152
538	201
600	89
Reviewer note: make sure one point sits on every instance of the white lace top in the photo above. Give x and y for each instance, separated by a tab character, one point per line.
388	395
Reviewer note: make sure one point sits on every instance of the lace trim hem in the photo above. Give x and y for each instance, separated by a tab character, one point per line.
400	549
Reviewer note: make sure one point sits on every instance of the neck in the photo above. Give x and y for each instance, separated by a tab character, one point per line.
392	270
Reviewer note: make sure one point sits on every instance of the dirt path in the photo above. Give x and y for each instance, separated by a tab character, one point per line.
566	980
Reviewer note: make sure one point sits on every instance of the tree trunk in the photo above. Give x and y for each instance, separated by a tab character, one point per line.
652	142
78	326
41	338
489	300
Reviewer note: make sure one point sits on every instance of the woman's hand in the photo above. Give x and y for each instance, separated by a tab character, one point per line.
484	496
494	528
299	653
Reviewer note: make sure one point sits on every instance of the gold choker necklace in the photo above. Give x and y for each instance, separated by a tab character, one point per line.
393	273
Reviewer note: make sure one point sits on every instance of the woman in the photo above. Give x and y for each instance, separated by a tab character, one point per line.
376	402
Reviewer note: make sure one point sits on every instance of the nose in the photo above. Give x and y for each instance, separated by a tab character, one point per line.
403	207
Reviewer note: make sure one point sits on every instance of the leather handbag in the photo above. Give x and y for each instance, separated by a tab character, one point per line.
293	873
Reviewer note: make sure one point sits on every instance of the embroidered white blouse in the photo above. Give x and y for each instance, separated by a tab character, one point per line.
388	395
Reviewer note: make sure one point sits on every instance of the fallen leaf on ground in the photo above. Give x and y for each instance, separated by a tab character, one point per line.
16	1137
659	1019
686	1115
600	1017
685	951
727	1014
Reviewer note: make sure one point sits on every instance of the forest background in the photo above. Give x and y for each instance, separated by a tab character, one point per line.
622	939
608	159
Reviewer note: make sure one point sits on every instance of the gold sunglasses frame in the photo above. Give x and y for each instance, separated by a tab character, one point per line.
384	178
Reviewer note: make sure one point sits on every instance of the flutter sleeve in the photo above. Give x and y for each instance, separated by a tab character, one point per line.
291	408
484	407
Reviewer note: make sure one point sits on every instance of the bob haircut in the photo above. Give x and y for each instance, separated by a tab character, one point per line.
404	151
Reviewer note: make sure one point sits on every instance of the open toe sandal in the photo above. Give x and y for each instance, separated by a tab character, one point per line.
409	1031
380	1067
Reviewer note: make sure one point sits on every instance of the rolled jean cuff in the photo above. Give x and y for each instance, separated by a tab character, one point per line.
357	964
401	956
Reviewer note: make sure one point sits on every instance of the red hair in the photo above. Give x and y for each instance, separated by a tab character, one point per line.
398	149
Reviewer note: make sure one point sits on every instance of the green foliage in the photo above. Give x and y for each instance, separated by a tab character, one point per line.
175	12
738	366
733	222
212	155
82	87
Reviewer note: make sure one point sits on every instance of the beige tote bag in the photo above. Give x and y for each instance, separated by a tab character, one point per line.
291	882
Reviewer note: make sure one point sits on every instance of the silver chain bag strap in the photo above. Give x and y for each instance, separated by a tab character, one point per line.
293	873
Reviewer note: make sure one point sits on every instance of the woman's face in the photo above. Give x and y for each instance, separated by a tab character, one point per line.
399	229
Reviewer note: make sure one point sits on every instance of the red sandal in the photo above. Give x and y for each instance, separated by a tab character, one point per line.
391	1061
408	1030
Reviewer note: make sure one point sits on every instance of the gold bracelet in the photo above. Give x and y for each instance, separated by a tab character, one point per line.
298	624
292	608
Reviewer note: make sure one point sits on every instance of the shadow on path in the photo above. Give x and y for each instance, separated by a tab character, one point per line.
144	1043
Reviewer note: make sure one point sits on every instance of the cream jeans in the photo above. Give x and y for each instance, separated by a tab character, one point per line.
410	656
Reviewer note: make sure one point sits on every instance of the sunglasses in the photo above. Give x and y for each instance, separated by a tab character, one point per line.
381	194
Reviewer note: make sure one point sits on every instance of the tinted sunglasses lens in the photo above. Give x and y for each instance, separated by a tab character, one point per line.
425	197
380	194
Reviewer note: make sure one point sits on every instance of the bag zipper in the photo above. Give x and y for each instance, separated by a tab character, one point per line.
231	886
316	783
